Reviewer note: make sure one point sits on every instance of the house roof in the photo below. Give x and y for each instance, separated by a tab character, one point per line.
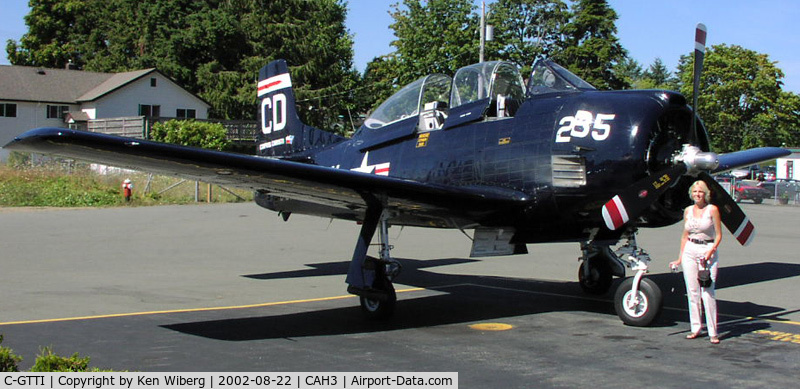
112	83
26	83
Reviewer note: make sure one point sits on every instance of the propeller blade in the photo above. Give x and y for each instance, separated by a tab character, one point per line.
748	157
699	56
732	215
635	199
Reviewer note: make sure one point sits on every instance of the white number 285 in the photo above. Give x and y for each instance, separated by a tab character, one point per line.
583	124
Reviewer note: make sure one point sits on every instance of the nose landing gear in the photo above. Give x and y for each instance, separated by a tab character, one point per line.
638	300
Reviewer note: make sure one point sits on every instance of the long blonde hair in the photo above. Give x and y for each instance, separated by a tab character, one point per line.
702	186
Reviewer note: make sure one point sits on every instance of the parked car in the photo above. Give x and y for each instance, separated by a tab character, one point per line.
770	187
749	190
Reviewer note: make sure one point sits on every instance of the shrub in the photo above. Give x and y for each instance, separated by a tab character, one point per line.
191	133
47	361
8	360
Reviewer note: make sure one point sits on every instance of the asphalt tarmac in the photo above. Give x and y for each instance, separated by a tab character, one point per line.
234	288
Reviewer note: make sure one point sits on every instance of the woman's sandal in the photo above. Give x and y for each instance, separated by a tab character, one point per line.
694	336
714	340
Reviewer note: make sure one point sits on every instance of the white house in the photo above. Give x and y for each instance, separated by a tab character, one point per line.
32	97
788	167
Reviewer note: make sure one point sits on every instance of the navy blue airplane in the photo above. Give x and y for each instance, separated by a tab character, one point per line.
550	160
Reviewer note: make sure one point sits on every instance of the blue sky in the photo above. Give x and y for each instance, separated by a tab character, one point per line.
647	29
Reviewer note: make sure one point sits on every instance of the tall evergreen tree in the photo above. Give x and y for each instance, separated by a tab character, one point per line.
590	48
629	71
658	72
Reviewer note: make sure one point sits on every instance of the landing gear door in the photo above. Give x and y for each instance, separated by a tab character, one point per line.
491	242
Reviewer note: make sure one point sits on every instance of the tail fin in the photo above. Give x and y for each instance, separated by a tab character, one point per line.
282	133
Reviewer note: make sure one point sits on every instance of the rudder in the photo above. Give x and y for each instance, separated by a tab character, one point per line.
282	133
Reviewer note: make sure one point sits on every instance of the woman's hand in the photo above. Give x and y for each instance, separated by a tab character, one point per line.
709	254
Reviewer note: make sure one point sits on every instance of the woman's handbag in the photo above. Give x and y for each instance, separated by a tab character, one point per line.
704	275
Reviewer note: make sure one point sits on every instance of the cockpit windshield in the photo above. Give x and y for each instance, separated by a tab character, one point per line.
549	77
475	82
409	101
498	84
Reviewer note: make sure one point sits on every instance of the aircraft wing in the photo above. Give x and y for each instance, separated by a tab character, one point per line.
293	180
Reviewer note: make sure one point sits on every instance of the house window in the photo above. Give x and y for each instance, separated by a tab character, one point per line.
8	110
152	111
56	111
153	82
186	114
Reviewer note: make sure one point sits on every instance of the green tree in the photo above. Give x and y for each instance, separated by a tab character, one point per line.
658	72
525	29
312	37
435	36
379	81
741	100
590	48
657	76
51	25
214	48
630	72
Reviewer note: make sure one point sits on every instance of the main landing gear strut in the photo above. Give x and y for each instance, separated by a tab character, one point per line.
371	278
637	300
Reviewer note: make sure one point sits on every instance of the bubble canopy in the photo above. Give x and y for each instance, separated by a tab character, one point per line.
481	81
471	83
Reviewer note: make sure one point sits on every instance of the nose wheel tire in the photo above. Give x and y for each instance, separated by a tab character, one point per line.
640	309
380	307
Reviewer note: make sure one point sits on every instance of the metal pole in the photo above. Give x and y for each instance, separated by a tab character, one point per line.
483	30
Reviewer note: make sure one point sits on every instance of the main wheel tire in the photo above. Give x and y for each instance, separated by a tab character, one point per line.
642	312
600	277
380	308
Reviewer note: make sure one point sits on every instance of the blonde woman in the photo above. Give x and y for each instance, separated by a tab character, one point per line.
699	242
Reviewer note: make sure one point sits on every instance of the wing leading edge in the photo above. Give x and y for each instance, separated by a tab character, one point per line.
306	182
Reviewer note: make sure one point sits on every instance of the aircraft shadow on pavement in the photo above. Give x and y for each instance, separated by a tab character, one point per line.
469	298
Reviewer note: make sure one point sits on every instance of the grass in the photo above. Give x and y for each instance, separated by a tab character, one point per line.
78	186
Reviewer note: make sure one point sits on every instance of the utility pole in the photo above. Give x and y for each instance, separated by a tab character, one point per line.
486	33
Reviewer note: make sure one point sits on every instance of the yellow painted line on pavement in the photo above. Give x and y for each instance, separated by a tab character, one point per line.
190	310
794	323
491	327
781	336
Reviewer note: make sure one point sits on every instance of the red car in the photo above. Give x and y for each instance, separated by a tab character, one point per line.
750	190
